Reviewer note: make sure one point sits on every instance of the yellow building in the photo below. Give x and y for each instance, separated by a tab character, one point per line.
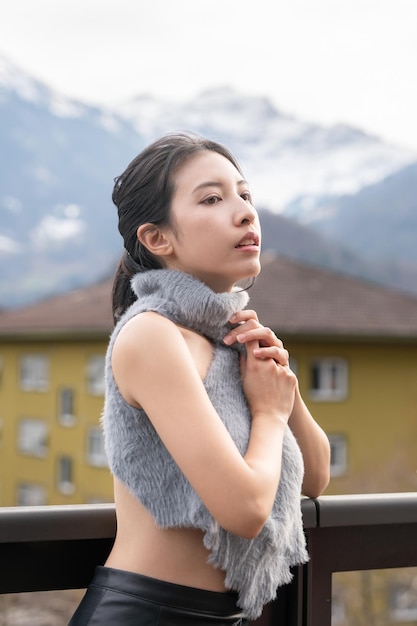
51	397
352	344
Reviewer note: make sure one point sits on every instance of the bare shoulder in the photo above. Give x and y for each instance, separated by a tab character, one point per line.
149	335
149	349
146	338
144	328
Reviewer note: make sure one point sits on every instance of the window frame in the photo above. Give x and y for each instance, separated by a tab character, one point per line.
38	450
65	474
338	467
66	411
36	491
34	372
332	386
95	374
95	438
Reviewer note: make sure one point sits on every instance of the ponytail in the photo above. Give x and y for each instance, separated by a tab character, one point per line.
122	294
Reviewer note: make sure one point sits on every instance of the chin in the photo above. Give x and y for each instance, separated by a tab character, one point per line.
256	269
248	279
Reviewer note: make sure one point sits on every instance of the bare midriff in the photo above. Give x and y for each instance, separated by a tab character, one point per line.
176	555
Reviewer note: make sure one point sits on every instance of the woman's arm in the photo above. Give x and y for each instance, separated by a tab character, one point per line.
312	440
314	446
154	368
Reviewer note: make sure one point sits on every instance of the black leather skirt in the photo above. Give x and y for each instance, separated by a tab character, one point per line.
119	598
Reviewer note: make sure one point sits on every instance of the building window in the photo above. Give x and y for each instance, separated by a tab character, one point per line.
403	602
34	372
65	475
328	379
338	455
66	407
32	438
96	454
95	375
31	495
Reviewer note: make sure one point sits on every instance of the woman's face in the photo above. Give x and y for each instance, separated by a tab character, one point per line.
217	232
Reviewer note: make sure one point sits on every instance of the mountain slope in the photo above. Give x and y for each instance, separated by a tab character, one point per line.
285	158
380	221
58	227
57	220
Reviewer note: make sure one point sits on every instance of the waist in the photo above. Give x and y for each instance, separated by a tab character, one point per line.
176	555
163	592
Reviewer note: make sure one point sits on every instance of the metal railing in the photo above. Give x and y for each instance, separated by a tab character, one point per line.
58	547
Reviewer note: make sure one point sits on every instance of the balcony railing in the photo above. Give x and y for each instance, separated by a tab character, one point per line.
58	547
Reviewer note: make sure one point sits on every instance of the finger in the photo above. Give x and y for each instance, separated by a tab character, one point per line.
279	355
251	348
264	335
250	324
244	316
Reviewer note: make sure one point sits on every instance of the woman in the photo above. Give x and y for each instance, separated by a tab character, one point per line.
208	438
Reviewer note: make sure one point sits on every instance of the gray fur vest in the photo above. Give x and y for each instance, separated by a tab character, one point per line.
256	567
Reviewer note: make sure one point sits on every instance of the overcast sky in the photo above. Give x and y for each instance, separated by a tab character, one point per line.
352	61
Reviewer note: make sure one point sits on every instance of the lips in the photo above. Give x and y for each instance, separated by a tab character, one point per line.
250	239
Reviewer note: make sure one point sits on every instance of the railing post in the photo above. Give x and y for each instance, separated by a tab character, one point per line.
362	532
318	592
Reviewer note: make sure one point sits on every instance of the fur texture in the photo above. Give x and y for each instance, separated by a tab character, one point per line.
254	568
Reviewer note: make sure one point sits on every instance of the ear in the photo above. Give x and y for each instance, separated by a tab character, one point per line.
154	239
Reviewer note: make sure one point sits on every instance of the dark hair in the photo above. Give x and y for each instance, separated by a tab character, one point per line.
143	194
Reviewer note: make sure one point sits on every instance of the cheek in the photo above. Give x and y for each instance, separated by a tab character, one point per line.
201	233
202	229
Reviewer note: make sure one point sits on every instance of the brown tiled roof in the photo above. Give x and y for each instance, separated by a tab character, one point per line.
85	311
294	298
299	299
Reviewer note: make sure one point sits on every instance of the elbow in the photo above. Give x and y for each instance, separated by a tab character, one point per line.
317	473
246	531
316	482
249	522
250	531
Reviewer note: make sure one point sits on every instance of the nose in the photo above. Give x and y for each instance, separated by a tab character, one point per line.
245	213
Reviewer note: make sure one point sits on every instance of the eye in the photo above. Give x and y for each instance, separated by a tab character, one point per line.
212	200
246	196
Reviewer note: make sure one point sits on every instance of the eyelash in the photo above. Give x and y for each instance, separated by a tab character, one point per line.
208	200
245	196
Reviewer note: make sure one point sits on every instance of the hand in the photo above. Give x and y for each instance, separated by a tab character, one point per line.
249	329
268	382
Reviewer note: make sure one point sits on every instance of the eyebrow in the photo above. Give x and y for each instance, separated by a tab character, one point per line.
215	183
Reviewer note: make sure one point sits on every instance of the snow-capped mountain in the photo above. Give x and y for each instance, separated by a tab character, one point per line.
285	158
15	82
59	157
